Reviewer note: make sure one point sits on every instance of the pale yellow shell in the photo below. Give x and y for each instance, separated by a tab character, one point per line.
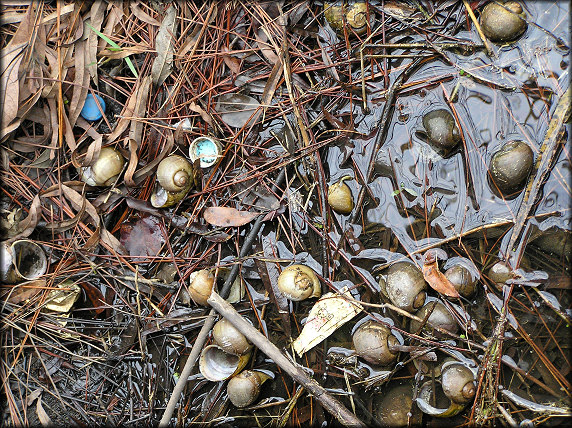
105	169
299	282
175	174
200	286
340	197
229	338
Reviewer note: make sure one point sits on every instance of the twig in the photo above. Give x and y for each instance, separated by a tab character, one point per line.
546	155
490	51
333	406
210	320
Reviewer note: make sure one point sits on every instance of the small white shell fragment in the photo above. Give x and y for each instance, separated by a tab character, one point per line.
329	313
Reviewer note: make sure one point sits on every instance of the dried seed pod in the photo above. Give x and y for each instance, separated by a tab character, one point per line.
216	365
175	179
299	282
405	286
510	167
442	131
462	278
439	317
244	388
340	197
201	284
458	382
22	260
229	338
502	25
104	171
373	342
354	13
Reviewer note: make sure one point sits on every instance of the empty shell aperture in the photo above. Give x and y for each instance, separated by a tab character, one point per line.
206	149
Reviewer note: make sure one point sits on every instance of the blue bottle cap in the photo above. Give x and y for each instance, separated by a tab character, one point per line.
90	110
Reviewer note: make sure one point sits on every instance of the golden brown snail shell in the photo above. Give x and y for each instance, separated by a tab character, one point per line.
373	342
229	338
104	171
175	173
340	197
201	284
299	282
244	388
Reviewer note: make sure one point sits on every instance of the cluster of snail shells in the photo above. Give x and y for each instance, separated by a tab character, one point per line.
299	282
174	180
353	12
105	170
404	285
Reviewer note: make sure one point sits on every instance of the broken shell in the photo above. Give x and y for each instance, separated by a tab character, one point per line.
201	284
22	260
373	342
502	25
458	382
510	167
340	197
354	13
445	407
244	388
216	365
229	338
405	286
206	149
442	131
299	282
439	317
104	171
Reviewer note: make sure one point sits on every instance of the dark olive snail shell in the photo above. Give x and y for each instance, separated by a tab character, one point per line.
372	342
405	286
442	131
510	167
502	25
440	317
393	406
462	280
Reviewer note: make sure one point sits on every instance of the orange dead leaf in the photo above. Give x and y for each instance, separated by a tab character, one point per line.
225	216
436	279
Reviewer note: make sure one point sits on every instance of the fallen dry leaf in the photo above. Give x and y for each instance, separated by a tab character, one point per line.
225	216
143	238
435	277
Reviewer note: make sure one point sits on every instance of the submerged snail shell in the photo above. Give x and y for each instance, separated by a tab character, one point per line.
502	25
299	282
201	284
392	407
510	167
229	338
373	342
458	382
405	286
442	131
440	317
462	279
340	197
104	171
500	273
175	177
244	388
355	15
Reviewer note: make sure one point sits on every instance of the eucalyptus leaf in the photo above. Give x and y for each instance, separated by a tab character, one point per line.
237	110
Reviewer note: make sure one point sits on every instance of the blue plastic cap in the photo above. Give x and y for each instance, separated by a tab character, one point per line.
90	110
